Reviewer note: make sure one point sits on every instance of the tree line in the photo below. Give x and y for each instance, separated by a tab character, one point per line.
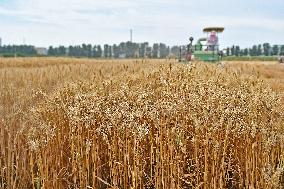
18	50
157	50
122	50
256	50
132	50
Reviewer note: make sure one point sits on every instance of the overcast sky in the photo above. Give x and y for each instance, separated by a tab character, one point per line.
55	22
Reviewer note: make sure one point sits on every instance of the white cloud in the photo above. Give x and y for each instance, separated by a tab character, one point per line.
66	22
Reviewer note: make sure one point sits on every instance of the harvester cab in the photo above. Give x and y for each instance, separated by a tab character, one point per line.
206	49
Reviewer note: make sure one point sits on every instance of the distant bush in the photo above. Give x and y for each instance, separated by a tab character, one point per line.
250	58
11	55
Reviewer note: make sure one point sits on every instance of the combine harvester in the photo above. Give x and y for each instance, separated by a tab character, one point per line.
205	49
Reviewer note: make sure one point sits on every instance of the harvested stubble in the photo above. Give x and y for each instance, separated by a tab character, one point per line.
146	125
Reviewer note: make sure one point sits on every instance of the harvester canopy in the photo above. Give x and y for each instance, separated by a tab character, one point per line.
211	29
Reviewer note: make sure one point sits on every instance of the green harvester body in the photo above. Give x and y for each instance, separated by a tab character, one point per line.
207	56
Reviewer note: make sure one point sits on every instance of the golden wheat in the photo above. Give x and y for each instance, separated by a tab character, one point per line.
70	123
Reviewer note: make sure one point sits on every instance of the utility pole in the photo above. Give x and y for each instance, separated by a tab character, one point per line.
131	35
179	54
0	41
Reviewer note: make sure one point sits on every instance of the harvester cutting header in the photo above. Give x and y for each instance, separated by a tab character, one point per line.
205	49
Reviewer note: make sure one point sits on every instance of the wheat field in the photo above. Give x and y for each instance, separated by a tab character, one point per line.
121	124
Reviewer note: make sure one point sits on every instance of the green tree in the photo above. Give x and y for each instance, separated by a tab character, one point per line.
89	51
163	50
282	48
275	50
130	49
94	53
228	51
70	51
242	52
110	52
237	51
142	49
258	51
61	51
253	51
106	51
233	51
84	50
99	51
51	51
115	50
155	50
266	49
246	52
